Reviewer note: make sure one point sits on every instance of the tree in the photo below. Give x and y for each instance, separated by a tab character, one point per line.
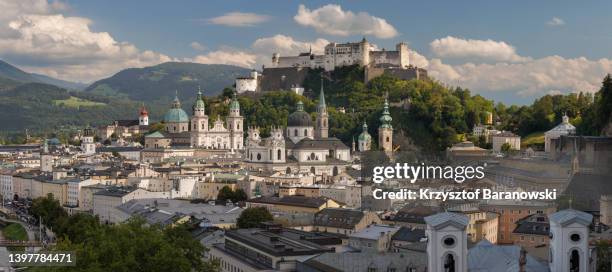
49	209
506	148
604	103
253	217
239	195
225	194
134	246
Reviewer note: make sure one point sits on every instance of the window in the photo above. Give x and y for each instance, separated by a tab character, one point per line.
387	139
306	132
575	237
258	156
449	241
278	154
295	132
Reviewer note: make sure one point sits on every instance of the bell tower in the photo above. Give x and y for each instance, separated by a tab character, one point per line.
446	242
234	123
322	123
569	241
199	122
385	131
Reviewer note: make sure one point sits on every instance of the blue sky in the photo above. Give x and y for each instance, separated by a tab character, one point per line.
512	51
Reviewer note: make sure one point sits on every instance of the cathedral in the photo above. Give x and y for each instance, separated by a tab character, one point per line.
303	146
180	131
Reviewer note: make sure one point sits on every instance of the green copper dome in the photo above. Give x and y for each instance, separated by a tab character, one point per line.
386	119
364	136
199	104
234	105
176	114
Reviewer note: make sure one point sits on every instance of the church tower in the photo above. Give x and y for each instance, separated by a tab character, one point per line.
446	242
364	139
143	118
569	241
199	122
234	123
87	141
385	131
322	123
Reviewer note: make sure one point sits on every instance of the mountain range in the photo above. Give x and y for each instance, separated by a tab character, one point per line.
163	80
42	103
11	76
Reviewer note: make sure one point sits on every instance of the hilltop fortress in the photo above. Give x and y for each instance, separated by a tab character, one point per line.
289	72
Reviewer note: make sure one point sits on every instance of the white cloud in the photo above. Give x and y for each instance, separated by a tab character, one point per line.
231	57
331	19
197	46
536	77
239	19
452	47
39	39
286	45
555	21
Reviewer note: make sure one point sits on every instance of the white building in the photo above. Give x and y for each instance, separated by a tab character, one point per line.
6	185
105	201
569	241
247	84
565	128
73	187
506	137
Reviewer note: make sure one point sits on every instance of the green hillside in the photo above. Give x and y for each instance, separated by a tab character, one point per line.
161	81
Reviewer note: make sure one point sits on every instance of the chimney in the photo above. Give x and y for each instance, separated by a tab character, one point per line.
523	260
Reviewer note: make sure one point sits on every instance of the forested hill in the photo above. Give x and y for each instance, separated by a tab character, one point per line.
155	82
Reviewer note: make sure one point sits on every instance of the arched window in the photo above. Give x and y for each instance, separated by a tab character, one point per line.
270	154
335	172
575	261
387	139
305	132
258	156
449	263
295	132
288	170
312	156
278	154
312	170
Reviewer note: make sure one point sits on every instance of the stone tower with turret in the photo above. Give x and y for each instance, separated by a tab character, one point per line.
322	130
385	131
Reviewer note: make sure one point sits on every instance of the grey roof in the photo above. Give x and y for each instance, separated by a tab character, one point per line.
441	220
327	143
363	261
296	200
500	258
338	218
409	235
536	224
276	242
115	191
373	232
569	216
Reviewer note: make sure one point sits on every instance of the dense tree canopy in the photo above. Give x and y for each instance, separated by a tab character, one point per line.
130	246
253	217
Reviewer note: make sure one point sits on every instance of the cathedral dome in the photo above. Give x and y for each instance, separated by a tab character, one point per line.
176	114
299	118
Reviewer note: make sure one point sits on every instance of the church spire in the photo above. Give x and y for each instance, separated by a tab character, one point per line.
322	130
322	104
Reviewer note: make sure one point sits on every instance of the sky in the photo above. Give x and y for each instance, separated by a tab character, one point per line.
510	51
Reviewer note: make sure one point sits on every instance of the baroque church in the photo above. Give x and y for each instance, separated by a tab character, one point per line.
303	146
180	131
